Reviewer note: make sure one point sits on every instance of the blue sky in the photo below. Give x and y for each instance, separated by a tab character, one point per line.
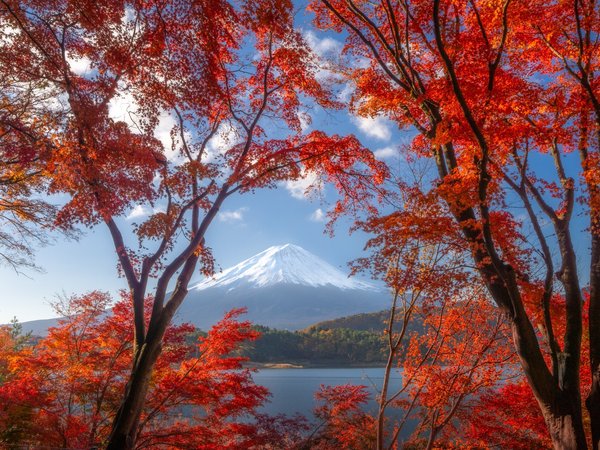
247	224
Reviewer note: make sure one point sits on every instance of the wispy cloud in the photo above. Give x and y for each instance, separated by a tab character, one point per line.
345	94
123	107
79	66
386	152
139	211
225	137
375	127
318	215
303	187
162	132
230	216
328	50
305	120
323	46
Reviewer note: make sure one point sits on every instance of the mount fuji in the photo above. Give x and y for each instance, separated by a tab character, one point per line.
284	264
283	287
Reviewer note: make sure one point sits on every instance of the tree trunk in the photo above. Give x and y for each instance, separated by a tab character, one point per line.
559	402
558	395
593	406
593	400
564	424
125	426
126	423
383	402
593	403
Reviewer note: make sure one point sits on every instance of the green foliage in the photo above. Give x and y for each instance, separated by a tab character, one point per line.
341	346
19	338
351	340
374	322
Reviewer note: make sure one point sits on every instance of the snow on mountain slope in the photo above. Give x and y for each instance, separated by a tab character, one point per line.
282	287
283	264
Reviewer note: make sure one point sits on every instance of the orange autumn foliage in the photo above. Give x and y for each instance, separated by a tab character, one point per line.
222	83
341	420
64	389
502	100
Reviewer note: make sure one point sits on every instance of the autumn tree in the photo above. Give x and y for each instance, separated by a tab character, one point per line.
25	217
443	331
342	421
506	417
502	96
227	77
64	390
461	355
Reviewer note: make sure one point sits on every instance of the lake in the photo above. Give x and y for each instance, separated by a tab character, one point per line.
293	389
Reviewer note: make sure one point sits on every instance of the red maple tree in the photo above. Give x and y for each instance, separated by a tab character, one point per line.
65	389
229	78
502	98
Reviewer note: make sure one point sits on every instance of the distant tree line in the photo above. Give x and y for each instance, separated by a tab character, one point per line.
337	345
315	345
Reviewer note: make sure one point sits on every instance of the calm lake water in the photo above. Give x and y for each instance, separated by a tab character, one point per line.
293	389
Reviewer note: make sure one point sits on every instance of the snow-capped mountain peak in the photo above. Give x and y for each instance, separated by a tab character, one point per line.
283	264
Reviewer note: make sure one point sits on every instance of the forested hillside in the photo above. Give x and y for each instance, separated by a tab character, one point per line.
316	346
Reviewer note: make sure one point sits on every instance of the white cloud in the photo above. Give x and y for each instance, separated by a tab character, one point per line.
225	137
128	17
122	107
318	215
305	120
327	50
303	187
79	66
386	152
9	32
323	47
139	211
162	132
345	94
375	127
236	215
361	62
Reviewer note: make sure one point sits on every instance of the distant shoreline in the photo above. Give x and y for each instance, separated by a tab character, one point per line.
310	365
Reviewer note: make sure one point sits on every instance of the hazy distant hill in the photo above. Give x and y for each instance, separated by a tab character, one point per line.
315	346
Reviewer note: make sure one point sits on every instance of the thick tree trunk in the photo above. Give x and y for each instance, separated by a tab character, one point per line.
593	403
126	423
564	424
593	406
558	394
558	397
593	400
561	409
125	426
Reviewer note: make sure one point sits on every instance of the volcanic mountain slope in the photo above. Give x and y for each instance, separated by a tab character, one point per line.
283	287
